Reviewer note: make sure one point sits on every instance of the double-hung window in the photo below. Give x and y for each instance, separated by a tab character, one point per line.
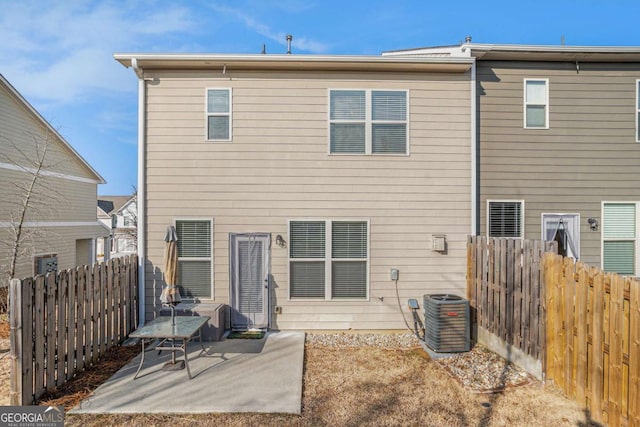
219	114
505	218
368	122
619	237
328	259
195	258
536	103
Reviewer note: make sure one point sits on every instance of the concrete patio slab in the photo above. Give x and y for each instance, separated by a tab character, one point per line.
230	376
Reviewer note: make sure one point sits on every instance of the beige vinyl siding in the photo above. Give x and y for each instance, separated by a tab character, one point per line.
20	128
67	202
61	241
587	155
277	168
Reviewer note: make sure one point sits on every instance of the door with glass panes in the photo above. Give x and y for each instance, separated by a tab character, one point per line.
249	268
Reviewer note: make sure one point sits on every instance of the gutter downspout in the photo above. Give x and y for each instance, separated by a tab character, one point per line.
142	245
474	150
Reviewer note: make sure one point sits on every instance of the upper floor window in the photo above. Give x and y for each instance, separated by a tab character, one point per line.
505	218
219	114
536	103
368	122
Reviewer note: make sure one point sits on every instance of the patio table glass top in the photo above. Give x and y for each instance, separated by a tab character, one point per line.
162	327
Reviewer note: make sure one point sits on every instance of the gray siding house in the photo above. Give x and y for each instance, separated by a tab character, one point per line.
557	145
60	228
297	183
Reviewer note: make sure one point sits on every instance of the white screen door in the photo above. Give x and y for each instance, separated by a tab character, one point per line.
249	259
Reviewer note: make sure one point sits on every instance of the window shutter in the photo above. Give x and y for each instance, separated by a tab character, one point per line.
619	220
349	279
307	279
389	105
347	105
505	219
536	92
194	239
194	278
349	240
218	127
218	101
347	138
619	257
536	115
307	239
389	138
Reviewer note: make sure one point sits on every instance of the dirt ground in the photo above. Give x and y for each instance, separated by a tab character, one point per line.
353	387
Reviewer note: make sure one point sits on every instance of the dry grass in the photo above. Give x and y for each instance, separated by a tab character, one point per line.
373	386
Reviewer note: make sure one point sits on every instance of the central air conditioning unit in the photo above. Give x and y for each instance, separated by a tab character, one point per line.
447	328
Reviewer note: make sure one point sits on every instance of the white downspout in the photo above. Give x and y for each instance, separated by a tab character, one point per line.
474	148
142	246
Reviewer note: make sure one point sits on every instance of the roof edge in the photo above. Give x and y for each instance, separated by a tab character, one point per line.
39	116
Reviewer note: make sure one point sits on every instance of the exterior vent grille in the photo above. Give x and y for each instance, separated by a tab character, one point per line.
446	323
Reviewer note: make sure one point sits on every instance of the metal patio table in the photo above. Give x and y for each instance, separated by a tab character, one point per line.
169	328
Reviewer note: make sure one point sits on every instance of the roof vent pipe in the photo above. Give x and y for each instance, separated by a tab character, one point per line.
467	39
289	38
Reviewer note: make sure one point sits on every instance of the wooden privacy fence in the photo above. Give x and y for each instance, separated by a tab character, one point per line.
63	322
504	288
593	347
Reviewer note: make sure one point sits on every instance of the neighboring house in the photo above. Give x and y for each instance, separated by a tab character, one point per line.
119	214
297	183
558	146
60	227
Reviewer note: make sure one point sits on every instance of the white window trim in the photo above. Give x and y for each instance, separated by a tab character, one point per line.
328	259
175	220
522	214
524	103
207	114
577	215
636	238
368	122
637	108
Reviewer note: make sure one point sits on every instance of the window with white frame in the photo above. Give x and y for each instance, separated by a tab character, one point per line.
195	258
619	237
368	122
505	218
219	114
536	103
328	259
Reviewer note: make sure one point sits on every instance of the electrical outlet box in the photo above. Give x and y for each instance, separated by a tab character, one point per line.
439	243
395	273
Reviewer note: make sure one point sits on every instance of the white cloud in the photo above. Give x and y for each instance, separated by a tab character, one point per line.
61	52
303	43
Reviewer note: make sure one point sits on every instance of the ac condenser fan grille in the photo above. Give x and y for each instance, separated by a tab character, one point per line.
446	323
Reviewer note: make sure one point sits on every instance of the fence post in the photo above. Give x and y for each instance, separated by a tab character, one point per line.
15	324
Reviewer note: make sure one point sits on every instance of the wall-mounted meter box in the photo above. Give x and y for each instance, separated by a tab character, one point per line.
439	243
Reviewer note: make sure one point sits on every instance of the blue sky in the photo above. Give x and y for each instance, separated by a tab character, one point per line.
58	53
